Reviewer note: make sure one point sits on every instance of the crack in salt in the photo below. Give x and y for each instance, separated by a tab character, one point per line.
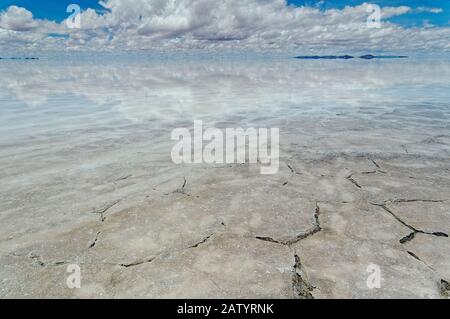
414	230
151	259
102	211
317	228
353	181
94	241
302	289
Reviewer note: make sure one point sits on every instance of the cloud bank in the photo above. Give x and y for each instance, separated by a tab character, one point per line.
226	24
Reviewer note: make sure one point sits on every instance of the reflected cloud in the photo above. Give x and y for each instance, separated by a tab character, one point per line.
141	91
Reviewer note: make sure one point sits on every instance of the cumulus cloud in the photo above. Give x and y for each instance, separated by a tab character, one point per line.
243	24
17	19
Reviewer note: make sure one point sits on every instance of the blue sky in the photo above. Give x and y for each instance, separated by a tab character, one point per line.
49	9
56	9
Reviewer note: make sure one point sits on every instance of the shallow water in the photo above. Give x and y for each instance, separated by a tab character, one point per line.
350	102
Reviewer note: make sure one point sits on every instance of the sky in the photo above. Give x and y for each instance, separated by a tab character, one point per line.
409	20
306	25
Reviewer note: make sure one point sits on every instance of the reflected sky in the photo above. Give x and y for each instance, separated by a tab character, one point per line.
72	96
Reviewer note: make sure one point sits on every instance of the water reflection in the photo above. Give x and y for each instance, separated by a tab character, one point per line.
44	97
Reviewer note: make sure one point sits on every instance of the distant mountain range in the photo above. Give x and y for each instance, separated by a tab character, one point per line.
302	57
19	58
347	57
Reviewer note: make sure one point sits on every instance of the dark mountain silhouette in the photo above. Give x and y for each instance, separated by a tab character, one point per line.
19	58
347	57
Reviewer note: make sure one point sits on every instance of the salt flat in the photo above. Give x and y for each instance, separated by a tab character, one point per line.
87	179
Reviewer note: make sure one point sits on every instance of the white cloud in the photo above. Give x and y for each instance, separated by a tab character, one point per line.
429	10
17	19
243	24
